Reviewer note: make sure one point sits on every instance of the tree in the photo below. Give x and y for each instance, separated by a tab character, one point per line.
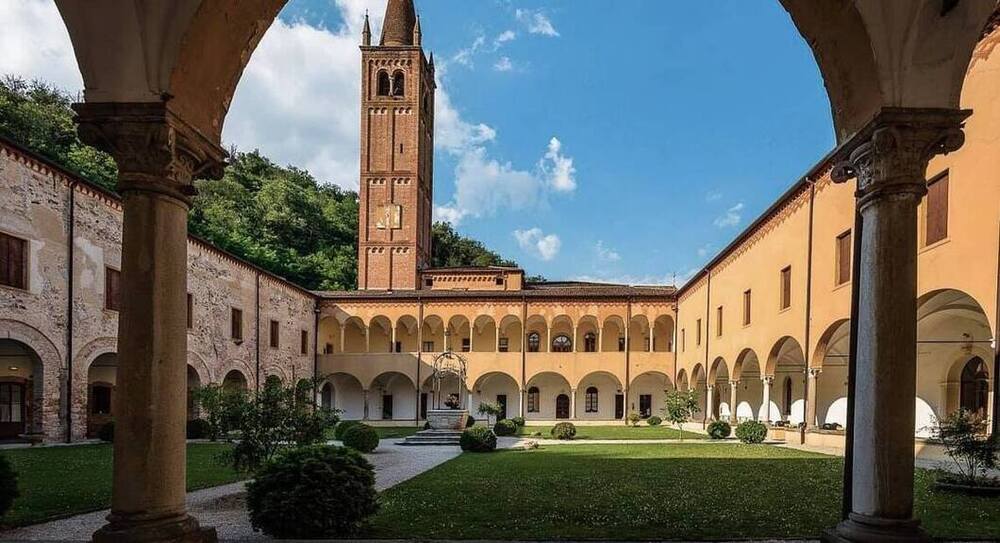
680	407
973	452
451	249
491	410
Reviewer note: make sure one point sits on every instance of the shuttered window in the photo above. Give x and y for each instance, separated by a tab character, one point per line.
718	321
13	261
697	332
236	324
937	210
275	335
786	288
844	252
112	289
190	311
746	308
304	343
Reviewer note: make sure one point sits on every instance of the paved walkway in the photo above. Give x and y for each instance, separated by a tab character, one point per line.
225	506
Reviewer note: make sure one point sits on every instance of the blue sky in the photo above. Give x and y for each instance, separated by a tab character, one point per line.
586	139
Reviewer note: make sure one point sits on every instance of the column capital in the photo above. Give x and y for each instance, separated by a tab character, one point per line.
814	372
767	379
156	151
890	154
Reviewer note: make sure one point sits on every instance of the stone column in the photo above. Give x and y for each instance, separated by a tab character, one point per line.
364	398
158	156
733	387
572	404
889	160
768	381
709	401
812	398
342	341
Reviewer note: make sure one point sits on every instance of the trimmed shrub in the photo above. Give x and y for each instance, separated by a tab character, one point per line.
312	492
470	422
564	430
633	419
719	429
8	485
505	427
107	432
518	421
343	427
654	421
361	437
478	439
751	431
198	429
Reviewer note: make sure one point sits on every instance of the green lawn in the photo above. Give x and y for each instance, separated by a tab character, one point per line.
396	432
616	432
690	491
60	481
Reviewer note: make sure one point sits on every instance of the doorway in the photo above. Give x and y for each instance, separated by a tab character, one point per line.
562	406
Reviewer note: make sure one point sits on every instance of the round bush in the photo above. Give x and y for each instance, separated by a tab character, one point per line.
107	432
8	485
654	421
361	437
312	492
719	429
505	427
478	439
564	430
519	421
343	427
751	431
470	422
198	429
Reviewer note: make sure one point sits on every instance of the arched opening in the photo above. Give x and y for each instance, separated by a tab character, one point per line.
347	396
750	396
327	396
608	396
384	84
399	84
459	334
235	381
406	335
832	356
510	335
638	334
329	335
354	336
562	344
380	335
648	392
663	334
193	384
975	390
102	377
537	333
682	381
561	335
718	377
549	386
21	384
433	334
451	388
613	335
392	396
484	334
786	398
787	365
497	388
699	383
586	334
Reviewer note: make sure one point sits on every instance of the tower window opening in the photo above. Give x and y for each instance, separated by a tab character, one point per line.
384	85
398	84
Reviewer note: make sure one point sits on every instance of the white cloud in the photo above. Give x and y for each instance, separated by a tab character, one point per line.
464	56
536	22
732	217
538	244
713	196
503	64
36	45
628	279
559	168
606	254
504	37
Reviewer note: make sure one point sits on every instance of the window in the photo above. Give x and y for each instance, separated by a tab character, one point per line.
11	402
275	335
844	252
398	347
718	321
236	324
101	395
466	344
13	261
428	347
533	395
383	84
590	342
398	84
698	332
936	206
304	342
499	281
590	400
746	308
328	348
112	289
534	342
683	340
621	344
562	344
974	394
503	345
786	288
190	311
429	282
788	396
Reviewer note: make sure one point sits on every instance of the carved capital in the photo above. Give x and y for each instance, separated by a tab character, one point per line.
891	153
814	372
767	380
155	150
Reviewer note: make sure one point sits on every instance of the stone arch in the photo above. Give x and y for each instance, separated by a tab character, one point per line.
613	334
654	385
383	84
433	333
205	375
786	363
718	371
596	396
235	380
495	386
536	324
663	334
460	330
380	334
832	356
23	379
355	335
329	335
588	333
638	334
718	377
484	334
682	381
407	334
392	396
750	398
550	385
348	395
244	368
510	328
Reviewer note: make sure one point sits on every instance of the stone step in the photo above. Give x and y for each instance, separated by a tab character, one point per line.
433	437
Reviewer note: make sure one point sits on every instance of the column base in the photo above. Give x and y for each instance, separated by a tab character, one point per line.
864	529
174	529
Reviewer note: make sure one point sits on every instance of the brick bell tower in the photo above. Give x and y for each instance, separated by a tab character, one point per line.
397	154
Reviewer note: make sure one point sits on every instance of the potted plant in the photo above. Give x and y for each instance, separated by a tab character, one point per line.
973	453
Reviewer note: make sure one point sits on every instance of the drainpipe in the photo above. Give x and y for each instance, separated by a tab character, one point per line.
420	352
708	339
809	265
852	366
315	351
524	355
257	329
677	323
628	355
996	349
71	235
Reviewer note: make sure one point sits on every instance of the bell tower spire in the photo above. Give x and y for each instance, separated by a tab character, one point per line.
400	21
366	34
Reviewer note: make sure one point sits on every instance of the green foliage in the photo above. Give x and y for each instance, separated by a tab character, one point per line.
361	437
343	427
719	429
505	427
107	432
478	439
8	485
751	431
220	406
198	429
452	249
490	409
470	422
633	418
654	421
564	431
312	492
274	419
973	452
679	407
518	421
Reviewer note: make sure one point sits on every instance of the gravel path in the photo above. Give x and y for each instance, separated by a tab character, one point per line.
225	506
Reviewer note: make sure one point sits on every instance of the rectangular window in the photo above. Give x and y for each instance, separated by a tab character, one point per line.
112	289
328	348
786	288
304	342
13	262
428	346
275	335
844	252
936	206
236	324
697	335
746	308
399	346
683	340
466	344
504	345
621	344
718	321
190	311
